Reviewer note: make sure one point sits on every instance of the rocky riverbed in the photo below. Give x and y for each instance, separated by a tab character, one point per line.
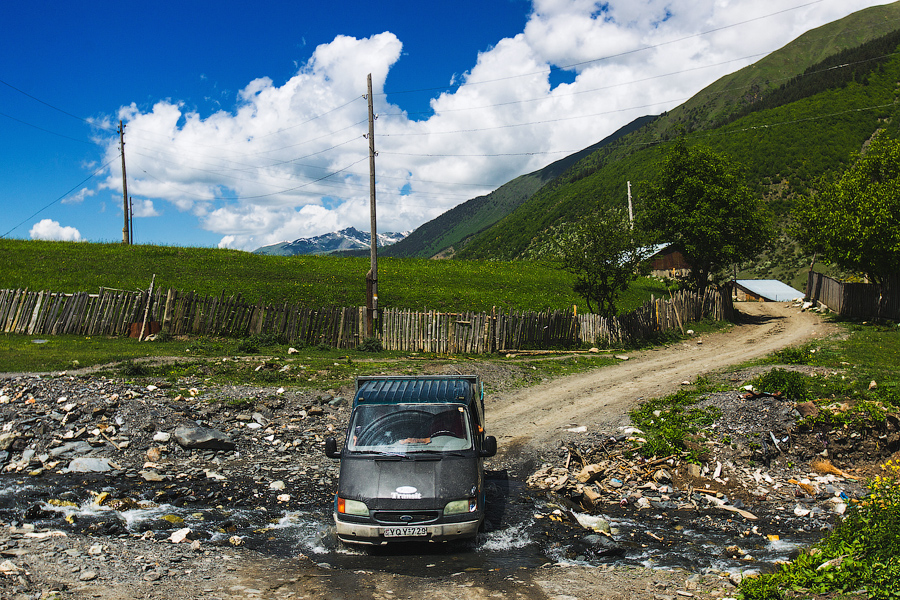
117	489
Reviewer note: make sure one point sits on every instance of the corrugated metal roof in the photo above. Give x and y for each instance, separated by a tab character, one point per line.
770	289
397	390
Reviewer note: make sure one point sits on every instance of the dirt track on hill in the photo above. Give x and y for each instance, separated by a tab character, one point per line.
602	399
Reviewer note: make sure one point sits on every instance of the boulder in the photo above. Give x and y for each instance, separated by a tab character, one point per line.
86	464
202	438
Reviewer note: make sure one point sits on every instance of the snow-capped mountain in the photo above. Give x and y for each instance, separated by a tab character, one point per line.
346	239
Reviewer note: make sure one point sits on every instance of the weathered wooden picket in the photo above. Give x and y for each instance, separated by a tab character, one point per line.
115	312
856	300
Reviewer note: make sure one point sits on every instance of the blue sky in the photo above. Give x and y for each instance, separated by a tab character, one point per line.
244	124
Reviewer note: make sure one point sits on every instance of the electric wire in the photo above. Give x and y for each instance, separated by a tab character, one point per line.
611	56
85	180
293	161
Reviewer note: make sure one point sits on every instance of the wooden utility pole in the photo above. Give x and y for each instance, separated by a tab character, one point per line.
372	275
630	210
126	230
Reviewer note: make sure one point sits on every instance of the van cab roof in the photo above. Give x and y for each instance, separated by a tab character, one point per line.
449	389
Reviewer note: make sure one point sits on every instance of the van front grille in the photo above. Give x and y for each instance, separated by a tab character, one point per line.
406	518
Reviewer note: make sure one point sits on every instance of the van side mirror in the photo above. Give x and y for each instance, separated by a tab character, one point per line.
331	450
489	447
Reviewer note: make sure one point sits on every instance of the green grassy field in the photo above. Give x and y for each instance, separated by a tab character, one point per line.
312	281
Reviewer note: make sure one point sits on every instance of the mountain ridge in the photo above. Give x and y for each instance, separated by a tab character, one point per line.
347	239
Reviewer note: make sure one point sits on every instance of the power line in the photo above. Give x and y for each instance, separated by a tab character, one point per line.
61	197
56	108
608	57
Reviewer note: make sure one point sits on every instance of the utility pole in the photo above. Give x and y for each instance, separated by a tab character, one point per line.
630	211
372	275
130	220
126	237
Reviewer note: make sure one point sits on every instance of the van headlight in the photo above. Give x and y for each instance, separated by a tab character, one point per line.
458	507
352	507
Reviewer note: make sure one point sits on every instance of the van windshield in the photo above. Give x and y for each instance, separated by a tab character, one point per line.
406	428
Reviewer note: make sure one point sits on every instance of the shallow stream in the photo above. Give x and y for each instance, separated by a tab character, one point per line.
523	529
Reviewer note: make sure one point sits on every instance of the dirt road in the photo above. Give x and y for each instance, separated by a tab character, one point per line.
602	399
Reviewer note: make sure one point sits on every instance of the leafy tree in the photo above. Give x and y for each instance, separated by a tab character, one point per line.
699	203
853	221
604	253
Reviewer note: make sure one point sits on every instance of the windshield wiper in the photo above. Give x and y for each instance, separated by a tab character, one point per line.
439	453
386	455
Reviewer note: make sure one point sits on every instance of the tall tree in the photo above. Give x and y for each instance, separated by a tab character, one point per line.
604	253
699	203
854	222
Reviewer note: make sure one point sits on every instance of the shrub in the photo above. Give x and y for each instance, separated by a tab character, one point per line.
792	384
667	422
133	369
795	356
255	342
370	345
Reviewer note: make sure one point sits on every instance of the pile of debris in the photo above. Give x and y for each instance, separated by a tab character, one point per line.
610	475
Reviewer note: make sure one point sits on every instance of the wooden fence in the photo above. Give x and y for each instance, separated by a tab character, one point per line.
856	300
115	312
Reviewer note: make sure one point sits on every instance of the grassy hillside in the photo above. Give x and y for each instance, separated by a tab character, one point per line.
783	148
314	281
451	229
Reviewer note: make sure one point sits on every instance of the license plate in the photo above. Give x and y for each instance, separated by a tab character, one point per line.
404	531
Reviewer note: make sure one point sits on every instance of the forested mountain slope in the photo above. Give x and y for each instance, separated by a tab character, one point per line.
453	227
793	116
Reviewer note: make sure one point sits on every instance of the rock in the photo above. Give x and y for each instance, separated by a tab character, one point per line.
807	409
694	470
202	438
71	449
597	523
154	454
8	568
87	576
6	439
151	476
662	476
162	437
276	485
86	464
592	496
873	385
180	535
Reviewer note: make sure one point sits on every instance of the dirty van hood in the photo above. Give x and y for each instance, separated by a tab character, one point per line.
408	483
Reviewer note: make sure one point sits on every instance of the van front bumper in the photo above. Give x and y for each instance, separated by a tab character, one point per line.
361	533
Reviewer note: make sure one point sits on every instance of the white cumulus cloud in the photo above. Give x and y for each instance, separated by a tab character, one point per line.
290	159
47	229
79	196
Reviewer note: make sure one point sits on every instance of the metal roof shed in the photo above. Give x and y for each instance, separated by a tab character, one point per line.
765	290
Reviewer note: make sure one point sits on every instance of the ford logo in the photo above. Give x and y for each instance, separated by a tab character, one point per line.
406	489
406	518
